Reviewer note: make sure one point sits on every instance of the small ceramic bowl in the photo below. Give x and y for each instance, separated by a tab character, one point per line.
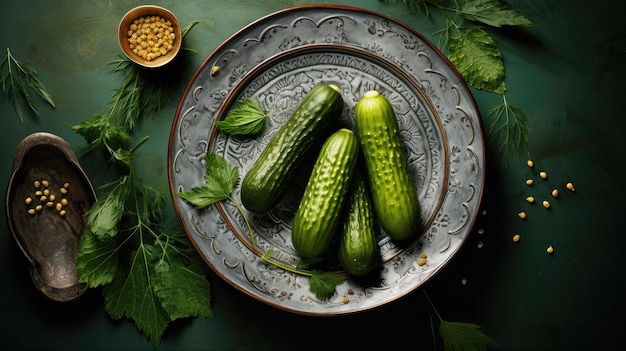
47	200
148	20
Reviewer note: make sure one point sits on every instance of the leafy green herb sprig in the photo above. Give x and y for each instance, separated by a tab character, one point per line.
467	43
147	274
219	182
459	336
20	83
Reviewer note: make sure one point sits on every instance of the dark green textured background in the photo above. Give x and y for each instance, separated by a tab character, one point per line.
567	71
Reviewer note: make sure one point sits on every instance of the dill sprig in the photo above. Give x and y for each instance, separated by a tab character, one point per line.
509	125
20	83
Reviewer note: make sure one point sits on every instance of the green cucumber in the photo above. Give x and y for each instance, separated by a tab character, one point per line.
394	193
359	252
319	212
264	184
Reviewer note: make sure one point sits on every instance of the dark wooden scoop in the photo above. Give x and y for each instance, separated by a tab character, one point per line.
49	238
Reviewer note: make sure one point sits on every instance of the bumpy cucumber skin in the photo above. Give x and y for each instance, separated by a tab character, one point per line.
394	194
266	181
358	251
319	214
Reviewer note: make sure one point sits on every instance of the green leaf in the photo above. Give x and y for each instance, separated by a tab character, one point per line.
246	118
492	12
131	295
509	126
324	283
104	216
478	59
219	182
461	336
182	287
96	260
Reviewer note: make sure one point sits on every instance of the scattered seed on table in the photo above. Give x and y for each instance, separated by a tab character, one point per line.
423	255
530	199
38	193
49	203
570	186
31	211
530	163
530	182
550	249
421	262
522	215
480	244
28	200
64	202
543	175
66	185
555	193
36	184
62	213
38	208
464	281
45	183
480	231
546	204
63	191
516	238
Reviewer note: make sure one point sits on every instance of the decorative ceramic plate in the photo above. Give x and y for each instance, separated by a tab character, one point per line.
277	60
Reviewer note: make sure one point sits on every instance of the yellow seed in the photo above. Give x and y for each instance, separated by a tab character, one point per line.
59	207
570	186
464	281
529	182
530	163
66	185
481	231
64	202
423	255
38	208
46	192
29	200
31	211
214	70
345	299
480	244
555	193
49	203
38	193
550	249
421	262
530	199
516	238
43	198
62	213
546	204
543	175
44	183
522	215
37	184
63	191
484	212
52	197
